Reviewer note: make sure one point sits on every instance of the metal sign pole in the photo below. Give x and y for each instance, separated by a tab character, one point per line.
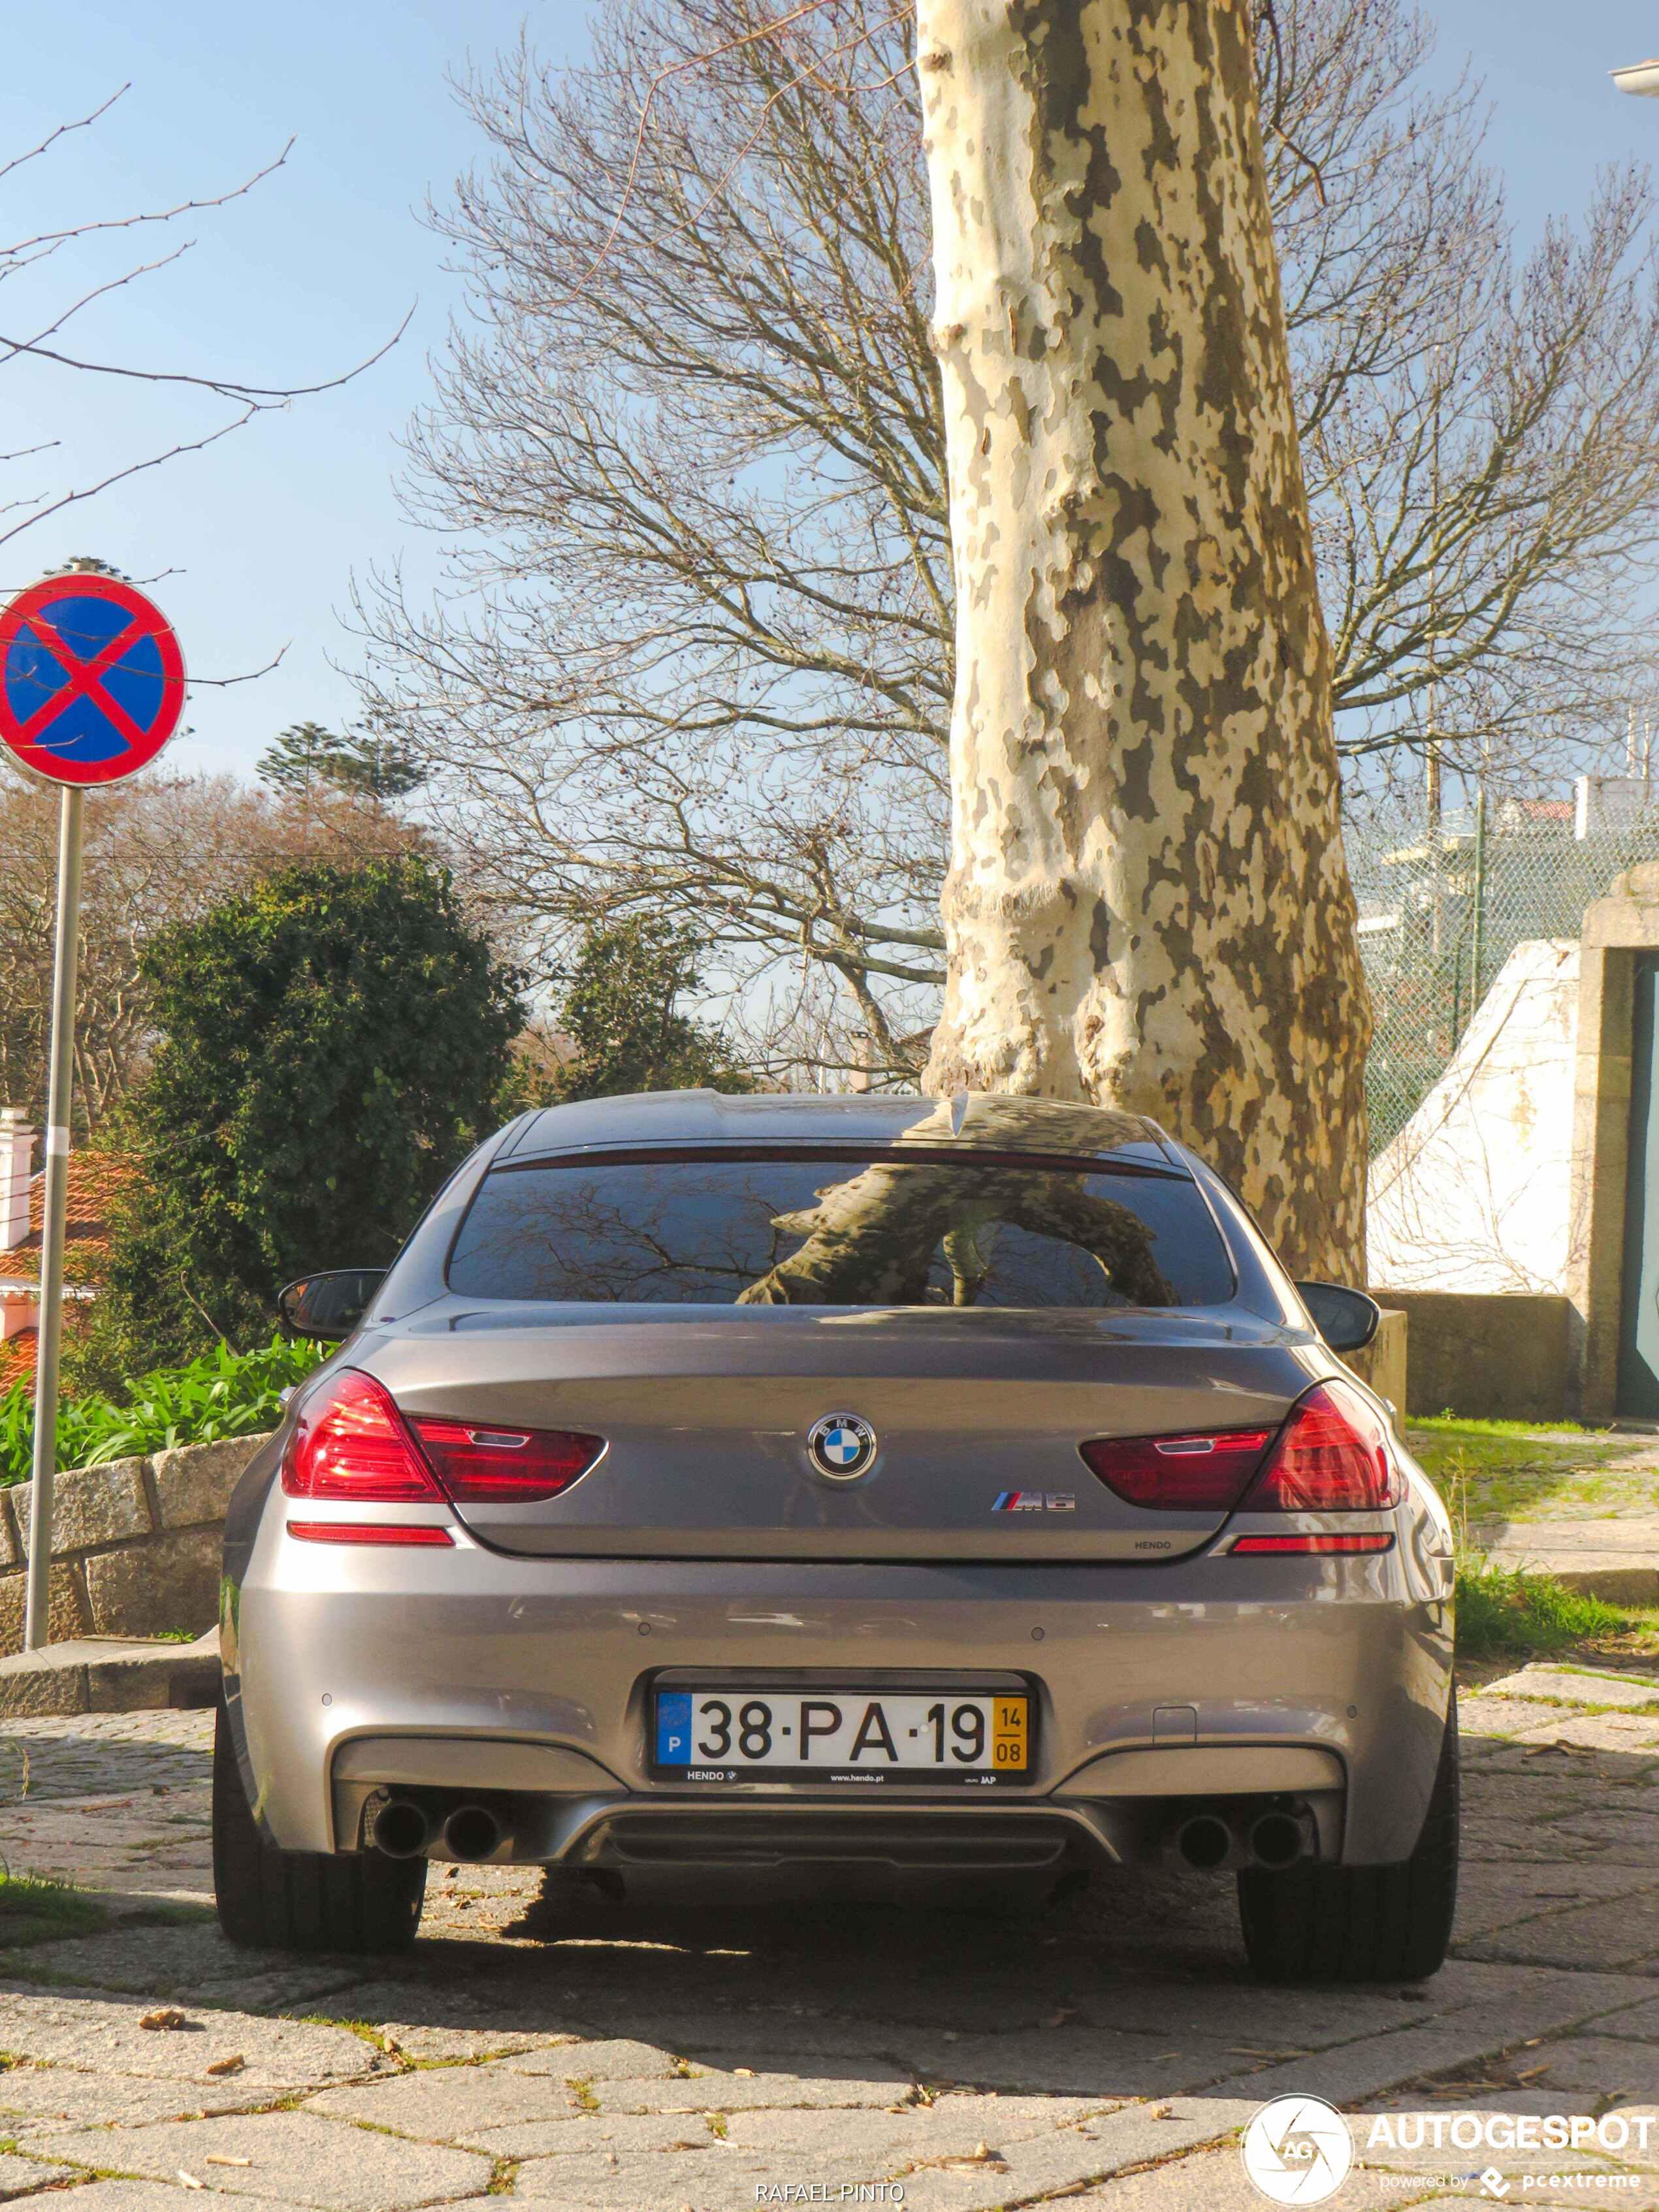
64	642
54	1217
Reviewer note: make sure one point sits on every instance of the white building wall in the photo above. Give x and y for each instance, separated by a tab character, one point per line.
1474	1194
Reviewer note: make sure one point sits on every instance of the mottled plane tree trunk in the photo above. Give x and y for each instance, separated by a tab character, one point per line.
1147	903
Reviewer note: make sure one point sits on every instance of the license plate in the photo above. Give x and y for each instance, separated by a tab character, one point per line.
975	1739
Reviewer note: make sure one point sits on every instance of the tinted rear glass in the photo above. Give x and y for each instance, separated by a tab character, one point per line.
881	1229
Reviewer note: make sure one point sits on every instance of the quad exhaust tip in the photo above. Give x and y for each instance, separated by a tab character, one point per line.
401	1829
472	1832
1274	1839
1277	1839
1205	1840
404	1830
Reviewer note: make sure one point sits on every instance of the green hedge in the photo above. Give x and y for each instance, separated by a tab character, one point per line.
224	1393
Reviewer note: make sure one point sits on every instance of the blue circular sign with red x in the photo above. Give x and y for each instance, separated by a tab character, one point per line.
92	681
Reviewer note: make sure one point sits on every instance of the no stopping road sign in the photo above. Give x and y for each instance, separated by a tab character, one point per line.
92	681
92	686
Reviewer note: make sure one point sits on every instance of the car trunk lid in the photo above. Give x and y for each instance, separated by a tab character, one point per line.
977	1417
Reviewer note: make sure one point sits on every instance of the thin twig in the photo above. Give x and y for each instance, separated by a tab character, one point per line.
1273	124
224	683
256	397
81	123
51	238
120	476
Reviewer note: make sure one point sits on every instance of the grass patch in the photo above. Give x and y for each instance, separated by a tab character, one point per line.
1507	1471
166	1915
34	1911
1505	1613
1441	1424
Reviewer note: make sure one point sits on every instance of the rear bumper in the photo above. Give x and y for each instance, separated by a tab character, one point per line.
353	1669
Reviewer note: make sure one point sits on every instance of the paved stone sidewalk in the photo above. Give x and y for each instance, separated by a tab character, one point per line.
635	2058
1620	1552
1600	1530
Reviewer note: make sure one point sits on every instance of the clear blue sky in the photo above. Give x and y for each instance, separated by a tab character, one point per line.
305	277
319	265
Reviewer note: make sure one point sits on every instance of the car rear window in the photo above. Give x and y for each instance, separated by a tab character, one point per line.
904	1227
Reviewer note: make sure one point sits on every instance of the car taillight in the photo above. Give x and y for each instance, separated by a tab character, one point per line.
478	1465
1359	1539
1332	1456
349	1442
1206	1474
369	1532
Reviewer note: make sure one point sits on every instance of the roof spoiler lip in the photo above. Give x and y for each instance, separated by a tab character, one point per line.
740	1117
1172	1168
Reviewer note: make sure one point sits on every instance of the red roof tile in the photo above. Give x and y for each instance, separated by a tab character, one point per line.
17	1355
96	1180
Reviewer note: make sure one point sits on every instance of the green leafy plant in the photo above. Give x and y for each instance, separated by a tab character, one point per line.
224	1393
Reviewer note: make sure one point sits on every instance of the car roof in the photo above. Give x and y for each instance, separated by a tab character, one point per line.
974	1120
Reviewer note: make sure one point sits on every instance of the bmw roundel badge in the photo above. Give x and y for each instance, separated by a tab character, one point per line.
841	1446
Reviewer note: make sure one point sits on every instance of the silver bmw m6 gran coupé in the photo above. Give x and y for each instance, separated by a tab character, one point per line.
806	1483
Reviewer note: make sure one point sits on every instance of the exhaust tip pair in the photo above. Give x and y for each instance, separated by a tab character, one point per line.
1272	1839
404	1830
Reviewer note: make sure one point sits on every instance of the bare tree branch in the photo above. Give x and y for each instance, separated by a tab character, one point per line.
64	131
259	397
27	246
32	505
670	70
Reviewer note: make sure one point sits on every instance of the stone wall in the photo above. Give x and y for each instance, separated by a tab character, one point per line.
1501	1358
135	1544
1385	1362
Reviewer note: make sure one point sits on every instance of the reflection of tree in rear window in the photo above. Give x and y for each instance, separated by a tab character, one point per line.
882	1230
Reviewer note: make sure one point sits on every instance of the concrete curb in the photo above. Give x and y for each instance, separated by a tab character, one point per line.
109	1674
1617	1585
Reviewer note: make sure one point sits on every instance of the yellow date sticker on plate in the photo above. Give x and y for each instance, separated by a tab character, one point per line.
1009	1733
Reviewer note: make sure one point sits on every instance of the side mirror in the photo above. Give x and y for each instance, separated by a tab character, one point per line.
1347	1320
328	1306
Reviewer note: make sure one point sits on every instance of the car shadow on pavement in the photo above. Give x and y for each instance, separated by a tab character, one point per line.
1118	1919
62	1760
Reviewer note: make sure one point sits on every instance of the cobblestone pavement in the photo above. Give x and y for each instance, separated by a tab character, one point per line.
1102	2054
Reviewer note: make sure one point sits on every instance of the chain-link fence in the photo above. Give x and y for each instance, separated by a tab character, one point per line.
1440	912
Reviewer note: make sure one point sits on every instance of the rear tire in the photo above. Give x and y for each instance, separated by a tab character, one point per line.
1362	1923
275	1900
